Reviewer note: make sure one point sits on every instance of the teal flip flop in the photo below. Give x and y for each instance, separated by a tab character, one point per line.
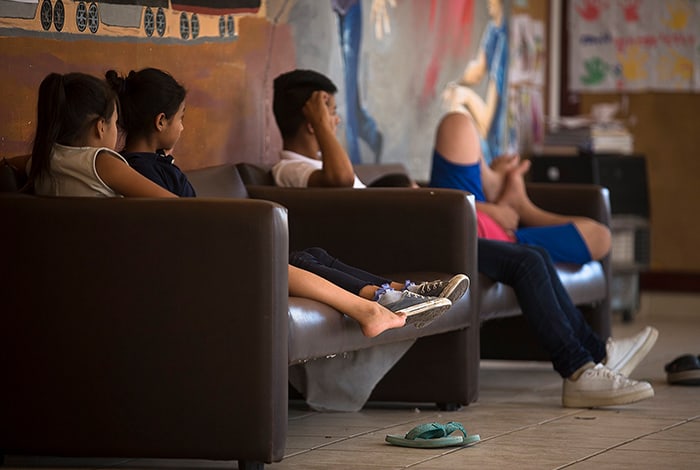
433	435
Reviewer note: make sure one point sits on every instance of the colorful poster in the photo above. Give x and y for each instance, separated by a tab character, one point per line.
634	45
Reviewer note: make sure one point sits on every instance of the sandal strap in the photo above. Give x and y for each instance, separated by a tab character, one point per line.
435	430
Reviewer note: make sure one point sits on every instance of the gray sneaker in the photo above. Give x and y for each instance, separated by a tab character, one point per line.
420	310
453	289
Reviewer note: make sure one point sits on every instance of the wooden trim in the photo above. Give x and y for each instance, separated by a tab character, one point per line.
670	281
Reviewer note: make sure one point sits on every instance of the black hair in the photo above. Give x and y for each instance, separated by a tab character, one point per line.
291	91
66	108
143	95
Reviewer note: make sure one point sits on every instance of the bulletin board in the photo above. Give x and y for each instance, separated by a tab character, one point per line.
634	45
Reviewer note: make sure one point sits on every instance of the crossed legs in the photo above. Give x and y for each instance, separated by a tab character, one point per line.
457	139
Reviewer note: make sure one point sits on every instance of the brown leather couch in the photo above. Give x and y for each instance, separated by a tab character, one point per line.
162	328
504	333
138	328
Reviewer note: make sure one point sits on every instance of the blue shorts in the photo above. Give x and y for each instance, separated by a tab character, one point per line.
563	242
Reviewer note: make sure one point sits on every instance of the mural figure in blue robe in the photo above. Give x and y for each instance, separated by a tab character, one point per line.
491	62
359	124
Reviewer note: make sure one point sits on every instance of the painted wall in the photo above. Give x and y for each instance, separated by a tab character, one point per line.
229	71
226	76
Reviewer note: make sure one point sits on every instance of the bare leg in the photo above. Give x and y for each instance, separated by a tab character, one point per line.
457	139
595	235
372	317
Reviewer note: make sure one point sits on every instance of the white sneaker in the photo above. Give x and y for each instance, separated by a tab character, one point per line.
623	355
600	386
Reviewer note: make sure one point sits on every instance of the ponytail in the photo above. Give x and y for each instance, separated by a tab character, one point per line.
66	108
51	101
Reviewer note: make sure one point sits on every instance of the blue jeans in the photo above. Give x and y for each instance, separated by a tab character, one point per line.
319	262
555	320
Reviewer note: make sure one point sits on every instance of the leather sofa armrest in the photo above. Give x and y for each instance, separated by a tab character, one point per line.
161	323
383	230
587	200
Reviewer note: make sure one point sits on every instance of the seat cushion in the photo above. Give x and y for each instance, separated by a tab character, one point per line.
585	284
317	330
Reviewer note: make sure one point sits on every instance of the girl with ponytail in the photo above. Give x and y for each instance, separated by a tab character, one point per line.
74	147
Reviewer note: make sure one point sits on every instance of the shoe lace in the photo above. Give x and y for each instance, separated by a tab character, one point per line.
429	286
381	291
411	294
604	372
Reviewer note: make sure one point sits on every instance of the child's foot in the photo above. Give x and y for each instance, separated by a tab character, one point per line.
379	319
514	193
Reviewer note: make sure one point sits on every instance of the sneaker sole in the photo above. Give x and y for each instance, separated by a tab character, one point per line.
593	401
455	289
633	359
423	314
684	377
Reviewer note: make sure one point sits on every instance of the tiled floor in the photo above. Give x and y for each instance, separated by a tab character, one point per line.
518	416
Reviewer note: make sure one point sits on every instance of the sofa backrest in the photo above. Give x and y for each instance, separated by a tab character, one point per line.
255	175
11	181
217	181
385	175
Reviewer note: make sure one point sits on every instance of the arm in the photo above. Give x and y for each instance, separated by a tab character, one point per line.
337	169
380	17
475	69
502	214
125	180
482	110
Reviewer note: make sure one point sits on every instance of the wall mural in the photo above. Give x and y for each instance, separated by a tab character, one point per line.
219	49
489	64
392	61
391	78
124	18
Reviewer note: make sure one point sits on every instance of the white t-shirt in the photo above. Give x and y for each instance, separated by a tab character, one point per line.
72	173
293	170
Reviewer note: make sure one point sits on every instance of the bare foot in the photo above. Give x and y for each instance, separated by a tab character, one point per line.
378	319
514	193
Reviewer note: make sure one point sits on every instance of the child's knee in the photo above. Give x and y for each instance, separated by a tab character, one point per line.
597	237
457	139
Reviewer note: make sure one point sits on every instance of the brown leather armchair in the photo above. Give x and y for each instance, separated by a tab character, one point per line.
144	328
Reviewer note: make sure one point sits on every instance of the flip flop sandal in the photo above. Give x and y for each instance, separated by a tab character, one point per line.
684	370
433	435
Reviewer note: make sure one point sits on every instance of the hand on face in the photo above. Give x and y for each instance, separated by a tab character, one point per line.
317	110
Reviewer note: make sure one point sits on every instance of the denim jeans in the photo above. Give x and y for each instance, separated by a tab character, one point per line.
558	324
319	262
